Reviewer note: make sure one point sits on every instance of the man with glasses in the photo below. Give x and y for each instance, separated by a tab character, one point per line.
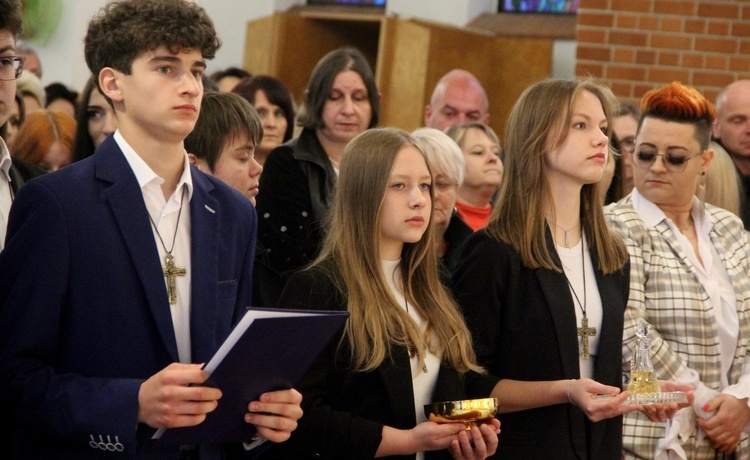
731	130
13	172
625	127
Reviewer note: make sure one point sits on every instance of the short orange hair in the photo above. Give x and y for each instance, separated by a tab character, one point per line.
40	130
682	104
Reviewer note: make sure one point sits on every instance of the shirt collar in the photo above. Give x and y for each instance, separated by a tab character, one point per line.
5	160
143	172
652	215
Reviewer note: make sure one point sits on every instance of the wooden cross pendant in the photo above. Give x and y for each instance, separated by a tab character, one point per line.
172	272
585	332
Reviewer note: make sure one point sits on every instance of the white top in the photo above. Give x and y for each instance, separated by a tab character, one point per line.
164	214
573	266
6	193
423	383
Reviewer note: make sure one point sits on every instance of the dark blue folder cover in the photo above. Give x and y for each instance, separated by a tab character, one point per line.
271	354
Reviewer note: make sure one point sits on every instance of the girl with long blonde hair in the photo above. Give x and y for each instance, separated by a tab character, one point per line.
544	287
405	344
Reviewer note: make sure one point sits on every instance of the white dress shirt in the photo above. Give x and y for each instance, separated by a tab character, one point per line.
6	193
165	217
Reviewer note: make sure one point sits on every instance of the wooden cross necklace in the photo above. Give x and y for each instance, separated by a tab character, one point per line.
171	272
584	332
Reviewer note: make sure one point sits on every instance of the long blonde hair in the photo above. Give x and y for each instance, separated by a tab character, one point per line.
537	124
722	187
351	256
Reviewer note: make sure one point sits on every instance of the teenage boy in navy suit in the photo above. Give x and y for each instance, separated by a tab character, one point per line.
123	272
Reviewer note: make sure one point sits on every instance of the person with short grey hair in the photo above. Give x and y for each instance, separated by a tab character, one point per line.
448	171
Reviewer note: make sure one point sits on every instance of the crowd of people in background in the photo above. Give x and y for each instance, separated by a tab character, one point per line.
514	265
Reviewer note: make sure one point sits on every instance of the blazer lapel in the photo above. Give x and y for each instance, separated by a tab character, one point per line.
562	309
125	199
663	228
204	263
16	180
396	374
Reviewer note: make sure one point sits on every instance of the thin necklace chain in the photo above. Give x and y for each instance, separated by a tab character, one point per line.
176	227
567	239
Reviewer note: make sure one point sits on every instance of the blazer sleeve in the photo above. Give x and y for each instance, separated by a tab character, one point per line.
479	285
34	274
323	430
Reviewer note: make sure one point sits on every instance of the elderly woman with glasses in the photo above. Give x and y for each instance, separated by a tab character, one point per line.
689	282
448	170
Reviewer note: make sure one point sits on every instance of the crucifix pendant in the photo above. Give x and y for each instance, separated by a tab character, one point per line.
171	273
411	353
584	332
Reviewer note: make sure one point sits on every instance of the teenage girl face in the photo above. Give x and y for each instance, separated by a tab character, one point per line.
582	156
101	118
407	203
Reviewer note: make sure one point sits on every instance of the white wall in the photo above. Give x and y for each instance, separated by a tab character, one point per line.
455	12
62	56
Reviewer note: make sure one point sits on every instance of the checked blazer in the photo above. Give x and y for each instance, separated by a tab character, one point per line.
665	292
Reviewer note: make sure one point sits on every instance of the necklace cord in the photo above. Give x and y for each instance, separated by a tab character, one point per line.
176	227
567	239
583	265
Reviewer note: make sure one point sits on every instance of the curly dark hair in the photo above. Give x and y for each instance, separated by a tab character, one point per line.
10	17
125	29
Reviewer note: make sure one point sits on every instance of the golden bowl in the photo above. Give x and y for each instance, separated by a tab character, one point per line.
470	412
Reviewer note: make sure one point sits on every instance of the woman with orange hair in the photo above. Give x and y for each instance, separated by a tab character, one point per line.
45	139
688	281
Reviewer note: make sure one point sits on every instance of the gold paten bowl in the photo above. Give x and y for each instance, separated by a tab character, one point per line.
470	412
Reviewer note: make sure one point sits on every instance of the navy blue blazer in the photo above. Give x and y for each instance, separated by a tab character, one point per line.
84	314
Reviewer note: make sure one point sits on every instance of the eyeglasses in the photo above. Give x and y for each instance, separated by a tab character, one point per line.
627	145
11	67
672	163
444	185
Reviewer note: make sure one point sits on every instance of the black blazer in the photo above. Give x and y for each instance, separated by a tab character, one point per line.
524	328
344	411
455	237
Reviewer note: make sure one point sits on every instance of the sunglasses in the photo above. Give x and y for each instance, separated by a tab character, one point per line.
672	163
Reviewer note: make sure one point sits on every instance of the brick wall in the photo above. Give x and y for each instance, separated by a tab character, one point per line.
636	45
